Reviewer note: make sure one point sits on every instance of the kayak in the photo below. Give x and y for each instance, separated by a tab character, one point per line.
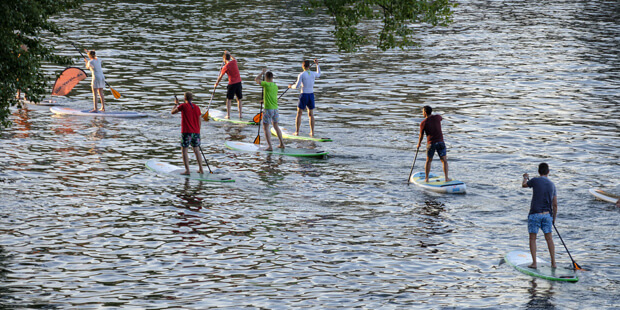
286	134
70	111
520	261
605	196
220	116
437	183
251	147
165	168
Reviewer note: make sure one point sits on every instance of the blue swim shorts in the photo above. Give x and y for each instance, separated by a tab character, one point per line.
306	101
270	116
440	147
537	221
190	138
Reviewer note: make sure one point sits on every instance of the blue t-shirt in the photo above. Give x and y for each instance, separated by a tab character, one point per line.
542	196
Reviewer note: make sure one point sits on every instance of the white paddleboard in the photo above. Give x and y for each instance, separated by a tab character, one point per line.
605	196
220	116
520	260
70	111
251	147
165	168
286	134
437	183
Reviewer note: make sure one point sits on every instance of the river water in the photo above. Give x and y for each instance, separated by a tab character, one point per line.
85	225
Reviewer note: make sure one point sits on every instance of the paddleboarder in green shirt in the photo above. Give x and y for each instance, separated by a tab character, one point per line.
270	99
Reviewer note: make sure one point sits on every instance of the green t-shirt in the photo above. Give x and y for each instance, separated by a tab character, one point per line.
270	96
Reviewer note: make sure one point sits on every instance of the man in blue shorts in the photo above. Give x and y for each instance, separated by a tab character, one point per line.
431	125
305	81
543	210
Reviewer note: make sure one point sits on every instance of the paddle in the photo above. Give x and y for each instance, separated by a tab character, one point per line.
116	94
575	265
206	115
414	158
260	114
206	161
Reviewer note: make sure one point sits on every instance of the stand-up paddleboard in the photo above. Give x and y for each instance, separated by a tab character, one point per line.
286	134
165	168
605	196
70	111
220	116
520	260
44	102
251	147
436	183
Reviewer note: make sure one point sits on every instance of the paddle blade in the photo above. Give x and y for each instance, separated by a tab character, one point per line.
258	117
577	267
257	140
206	116
116	94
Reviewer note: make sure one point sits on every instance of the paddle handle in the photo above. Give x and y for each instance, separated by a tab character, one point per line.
414	159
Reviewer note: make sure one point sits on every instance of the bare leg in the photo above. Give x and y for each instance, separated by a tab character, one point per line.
94	100
427	168
197	153
297	122
533	250
239	107
102	99
551	246
279	132
227	108
444	161
267	137
185	161
311	120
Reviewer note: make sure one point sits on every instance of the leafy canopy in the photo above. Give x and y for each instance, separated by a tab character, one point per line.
22	24
355	20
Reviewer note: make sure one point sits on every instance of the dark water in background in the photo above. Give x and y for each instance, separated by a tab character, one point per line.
85	225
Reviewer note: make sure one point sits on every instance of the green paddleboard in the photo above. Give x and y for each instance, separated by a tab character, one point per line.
520	261
220	116
251	147
286	134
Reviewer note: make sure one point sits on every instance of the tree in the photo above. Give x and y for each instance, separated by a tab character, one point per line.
354	19
21	50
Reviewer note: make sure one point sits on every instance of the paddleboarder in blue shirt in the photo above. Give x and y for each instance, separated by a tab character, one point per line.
431	125
543	210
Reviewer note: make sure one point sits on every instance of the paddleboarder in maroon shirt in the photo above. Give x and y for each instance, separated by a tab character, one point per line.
190	129
431	126
234	82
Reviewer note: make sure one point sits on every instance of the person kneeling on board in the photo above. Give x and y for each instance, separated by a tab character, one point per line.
431	125
543	210
270	99
190	129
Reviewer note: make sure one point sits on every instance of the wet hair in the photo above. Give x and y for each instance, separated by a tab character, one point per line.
269	75
227	56
91	54
428	109
189	96
543	169
306	64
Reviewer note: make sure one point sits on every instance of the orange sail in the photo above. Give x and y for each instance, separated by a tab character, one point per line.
67	80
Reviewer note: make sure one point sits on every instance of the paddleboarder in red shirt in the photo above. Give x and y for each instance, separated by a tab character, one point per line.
431	125
190	129
234	82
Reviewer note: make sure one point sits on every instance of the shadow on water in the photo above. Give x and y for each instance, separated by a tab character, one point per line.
540	298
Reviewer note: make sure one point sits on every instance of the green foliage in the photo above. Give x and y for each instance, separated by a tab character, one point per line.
355	20
22	24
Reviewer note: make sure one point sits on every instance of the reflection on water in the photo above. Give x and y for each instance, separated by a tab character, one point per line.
85	225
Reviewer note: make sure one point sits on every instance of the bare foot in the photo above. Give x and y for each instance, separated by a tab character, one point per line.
281	146
201	171
102	109
312	134
269	149
448	179
533	266
185	173
227	117
93	111
553	266
296	133
426	181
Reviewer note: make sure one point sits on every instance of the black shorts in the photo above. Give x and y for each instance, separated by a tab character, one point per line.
234	89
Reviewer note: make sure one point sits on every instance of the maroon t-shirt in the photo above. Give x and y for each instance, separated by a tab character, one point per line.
432	128
190	118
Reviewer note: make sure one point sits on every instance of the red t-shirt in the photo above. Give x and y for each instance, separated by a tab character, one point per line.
190	118
432	128
233	72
